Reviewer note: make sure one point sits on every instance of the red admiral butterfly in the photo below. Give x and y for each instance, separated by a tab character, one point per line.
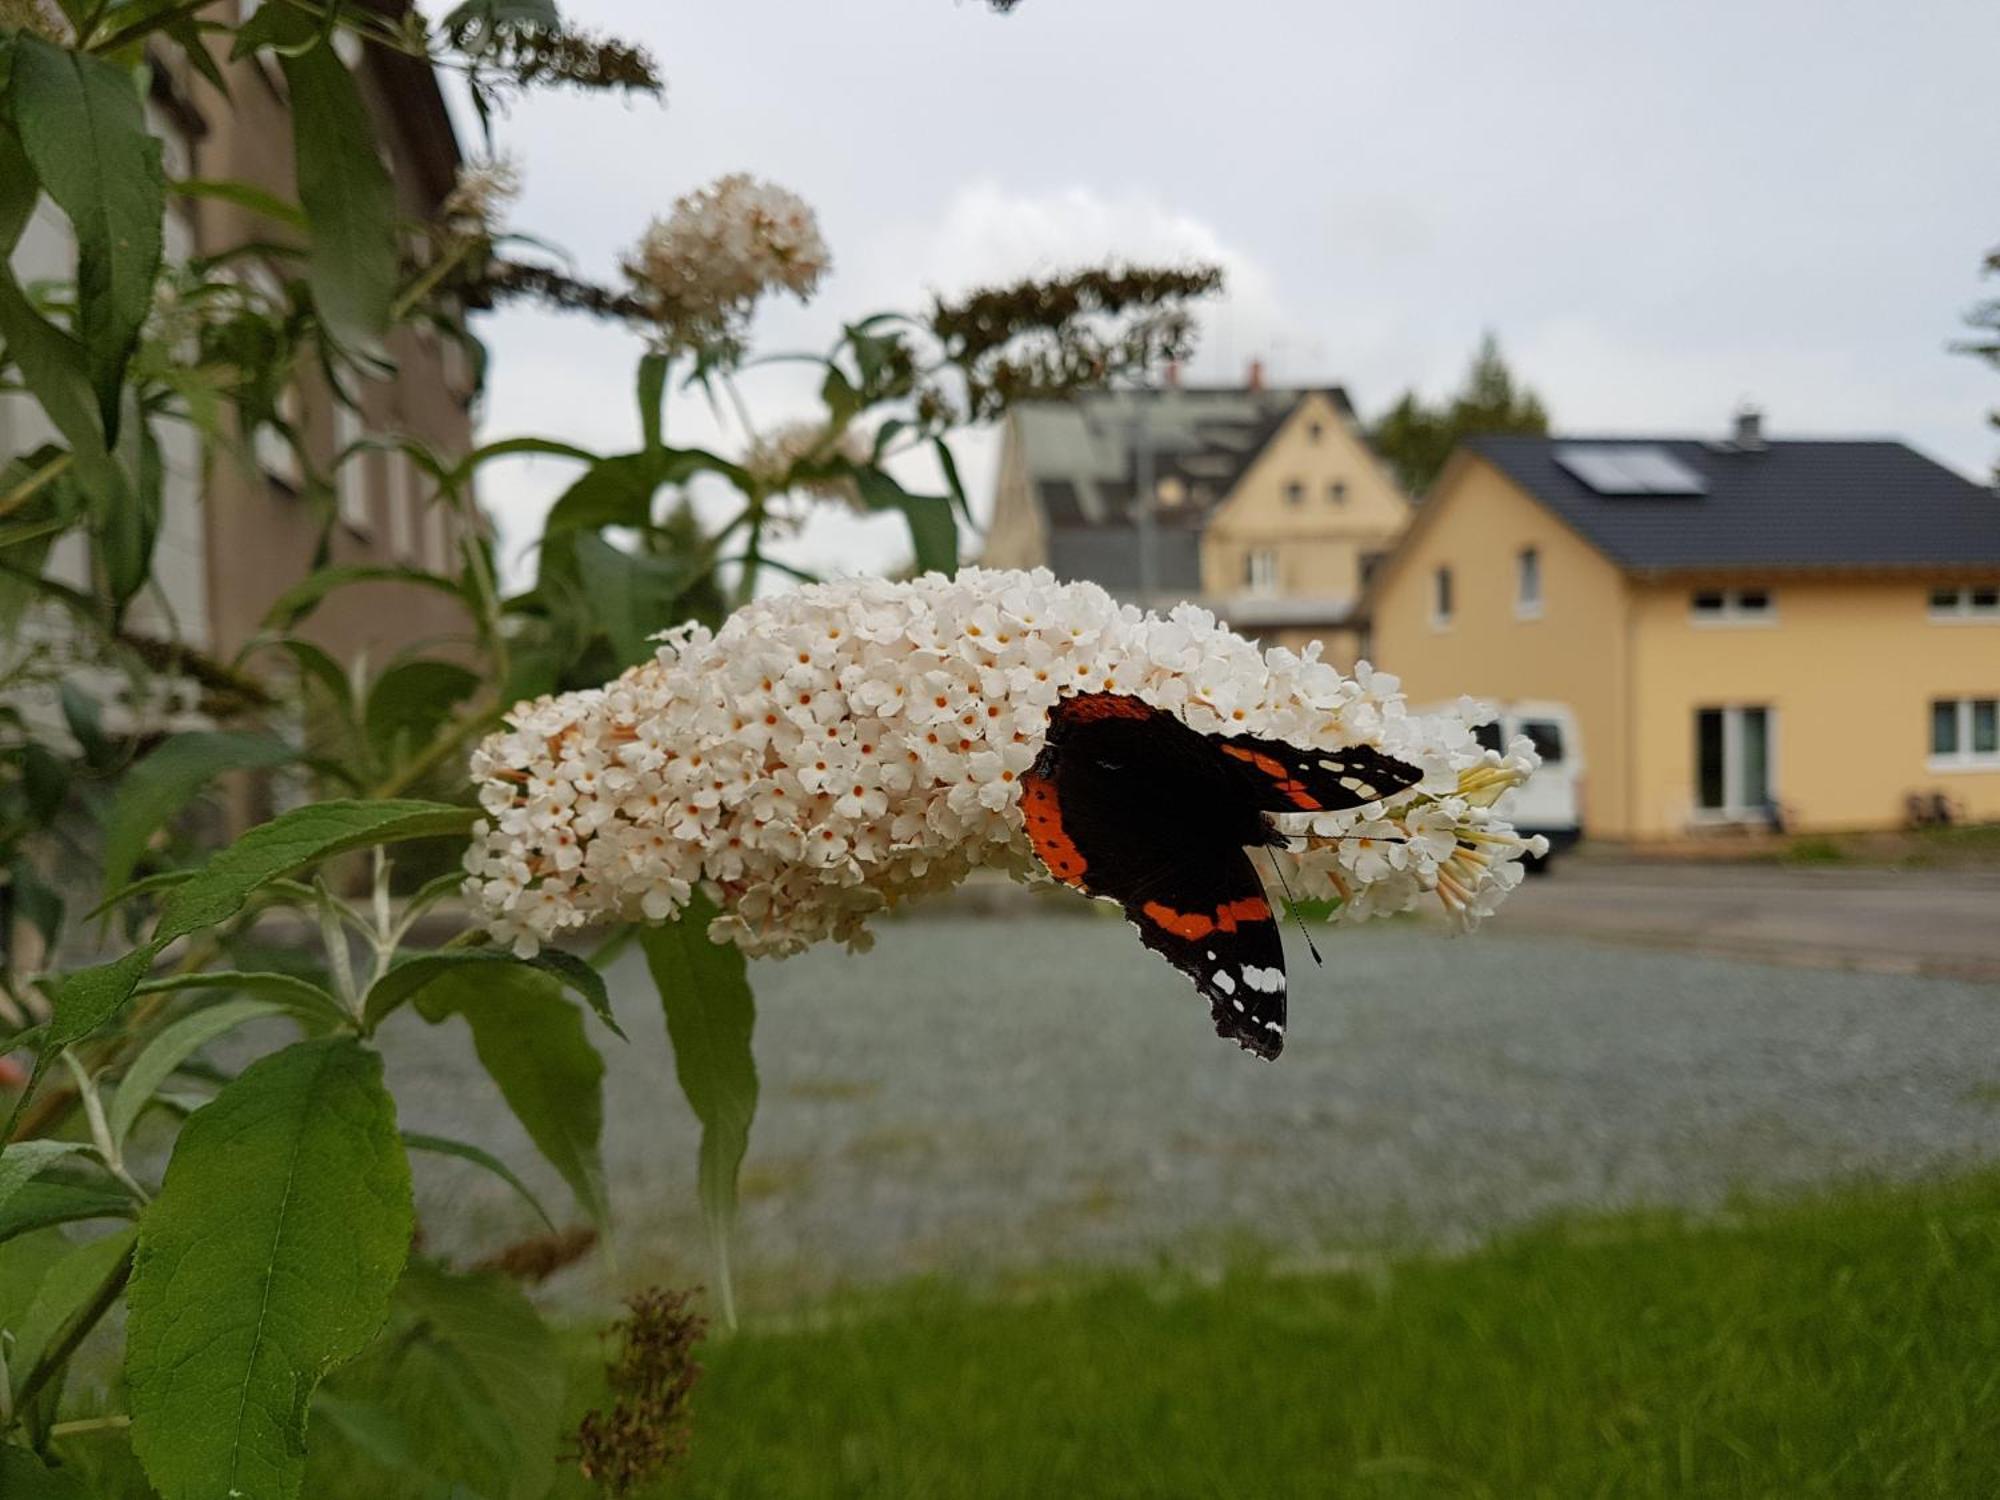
1127	802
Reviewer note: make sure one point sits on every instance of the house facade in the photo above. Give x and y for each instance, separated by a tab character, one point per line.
1747	632
1266	505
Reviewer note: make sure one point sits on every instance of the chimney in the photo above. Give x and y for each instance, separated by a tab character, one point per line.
1256	374
1749	435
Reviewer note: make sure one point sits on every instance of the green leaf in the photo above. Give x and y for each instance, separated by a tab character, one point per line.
42	1204
510	1379
465	1151
349	200
531	1041
167	780
614	491
56	372
267	1260
951	478
161	881
705	991
21	1161
316	663
933	532
246	196
652	398
87	998
66	1288
292	840
83	126
288	992
173	1046
21	1473
302	598
411	977
411	701
631	597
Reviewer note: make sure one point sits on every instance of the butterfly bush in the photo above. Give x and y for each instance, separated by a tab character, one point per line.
837	751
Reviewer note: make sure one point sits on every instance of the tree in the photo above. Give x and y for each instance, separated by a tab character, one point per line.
1415	438
1985	321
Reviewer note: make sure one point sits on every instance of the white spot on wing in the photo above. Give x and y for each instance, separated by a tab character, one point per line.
1224	983
1269	981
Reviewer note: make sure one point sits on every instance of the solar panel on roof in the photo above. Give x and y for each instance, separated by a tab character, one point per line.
1631	471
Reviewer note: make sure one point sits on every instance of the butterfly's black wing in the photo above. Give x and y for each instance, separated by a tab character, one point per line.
1130	804
1283	778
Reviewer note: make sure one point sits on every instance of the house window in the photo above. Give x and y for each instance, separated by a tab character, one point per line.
1733	607
1295	493
439	547
350	479
1441	601
1528	583
1260	571
274	451
1965	733
399	494
1732	757
1977	601
1337	492
1314	432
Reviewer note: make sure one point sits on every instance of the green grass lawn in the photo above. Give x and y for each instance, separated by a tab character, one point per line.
1848	1345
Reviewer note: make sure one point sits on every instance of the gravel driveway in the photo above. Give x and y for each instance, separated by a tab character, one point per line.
981	1093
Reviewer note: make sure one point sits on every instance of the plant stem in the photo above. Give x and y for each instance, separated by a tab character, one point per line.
85	1425
57	1355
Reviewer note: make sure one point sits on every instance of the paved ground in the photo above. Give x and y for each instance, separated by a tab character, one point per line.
981	1093
1940	922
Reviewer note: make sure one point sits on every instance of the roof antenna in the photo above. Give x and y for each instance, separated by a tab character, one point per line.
1292	906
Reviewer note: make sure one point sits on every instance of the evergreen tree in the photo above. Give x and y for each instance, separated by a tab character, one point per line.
1415	438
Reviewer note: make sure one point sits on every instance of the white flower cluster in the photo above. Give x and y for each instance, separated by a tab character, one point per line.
773	456
478	199
703	267
832	752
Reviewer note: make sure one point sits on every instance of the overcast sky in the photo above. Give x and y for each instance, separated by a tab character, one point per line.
1662	210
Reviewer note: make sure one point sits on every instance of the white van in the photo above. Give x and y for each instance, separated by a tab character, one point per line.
1551	803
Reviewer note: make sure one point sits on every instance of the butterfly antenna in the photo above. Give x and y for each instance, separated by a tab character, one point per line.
1292	906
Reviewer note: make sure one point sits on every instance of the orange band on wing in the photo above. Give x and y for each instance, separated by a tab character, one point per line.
1278	772
1196	925
1045	830
1087	706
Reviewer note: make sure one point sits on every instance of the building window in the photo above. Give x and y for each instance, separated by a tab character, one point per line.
1733	607
1314	432
1528	584
1441	601
399	494
350	479
1260	571
1965	734
1337	492
439	546
1732	757
1295	493
1976	601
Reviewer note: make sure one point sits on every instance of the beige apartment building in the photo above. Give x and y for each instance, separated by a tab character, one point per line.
235	535
1263	504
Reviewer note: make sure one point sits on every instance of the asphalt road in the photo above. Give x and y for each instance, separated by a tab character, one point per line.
986	1093
1938	922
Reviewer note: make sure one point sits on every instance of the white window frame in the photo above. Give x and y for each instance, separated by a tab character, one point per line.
1964	758
1444	597
1260	571
1733	611
439	550
1528	570
1962	610
1733	811
350	479
399	495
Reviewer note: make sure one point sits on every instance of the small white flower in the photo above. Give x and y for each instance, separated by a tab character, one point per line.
837	751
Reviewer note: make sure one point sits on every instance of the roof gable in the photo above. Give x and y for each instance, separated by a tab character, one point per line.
1789	504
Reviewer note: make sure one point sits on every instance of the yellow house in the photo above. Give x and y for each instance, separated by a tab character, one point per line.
1267	505
1746	631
